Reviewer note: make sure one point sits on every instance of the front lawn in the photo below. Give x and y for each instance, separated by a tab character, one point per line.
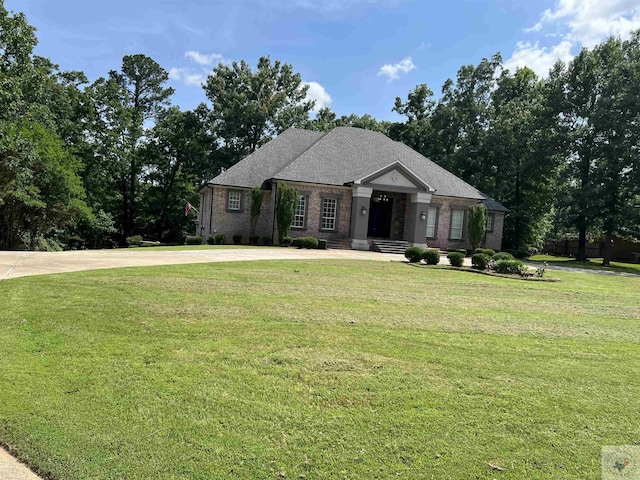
317	369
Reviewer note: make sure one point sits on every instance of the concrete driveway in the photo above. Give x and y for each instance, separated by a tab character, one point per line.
21	264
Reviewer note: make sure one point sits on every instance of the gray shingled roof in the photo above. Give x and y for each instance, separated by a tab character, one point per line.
340	157
268	160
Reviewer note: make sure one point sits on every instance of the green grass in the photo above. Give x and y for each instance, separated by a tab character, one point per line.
591	264
318	369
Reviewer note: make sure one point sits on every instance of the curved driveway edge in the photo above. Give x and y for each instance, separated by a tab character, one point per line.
22	264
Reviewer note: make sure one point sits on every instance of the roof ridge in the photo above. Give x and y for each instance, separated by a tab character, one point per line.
324	134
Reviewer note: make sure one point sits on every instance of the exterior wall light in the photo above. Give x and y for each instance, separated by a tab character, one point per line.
363	211
423	216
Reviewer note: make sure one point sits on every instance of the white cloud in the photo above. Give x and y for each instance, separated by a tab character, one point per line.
578	23
319	94
187	76
392	72
539	59
205	59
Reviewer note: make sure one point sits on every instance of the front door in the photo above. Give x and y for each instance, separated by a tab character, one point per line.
380	213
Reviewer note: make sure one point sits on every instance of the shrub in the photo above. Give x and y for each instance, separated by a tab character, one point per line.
219	239
463	251
308	242
253	239
237	238
266	240
503	256
431	256
296	242
520	253
134	240
480	260
510	267
456	259
487	251
194	240
322	244
413	254
211	240
286	241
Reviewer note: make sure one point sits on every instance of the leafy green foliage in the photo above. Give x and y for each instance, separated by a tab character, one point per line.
477	224
480	260
456	259
237	239
431	256
257	196
134	240
266	240
249	108
509	267
194	240
322	244
413	254
487	251
286	200
503	256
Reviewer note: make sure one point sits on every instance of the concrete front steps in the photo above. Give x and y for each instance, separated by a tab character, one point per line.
389	246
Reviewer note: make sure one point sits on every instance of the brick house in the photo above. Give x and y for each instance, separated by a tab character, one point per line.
355	187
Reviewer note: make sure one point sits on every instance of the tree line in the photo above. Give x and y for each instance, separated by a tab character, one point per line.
87	164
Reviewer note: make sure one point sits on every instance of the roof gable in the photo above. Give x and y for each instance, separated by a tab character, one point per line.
395	176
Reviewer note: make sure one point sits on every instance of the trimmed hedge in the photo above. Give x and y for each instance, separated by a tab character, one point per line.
305	242
413	254
134	240
194	240
237	239
253	239
487	251
463	251
286	241
480	260
322	244
220	239
431	256
211	240
510	267
503	256
456	259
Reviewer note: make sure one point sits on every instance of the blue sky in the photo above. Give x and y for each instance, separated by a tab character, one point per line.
357	55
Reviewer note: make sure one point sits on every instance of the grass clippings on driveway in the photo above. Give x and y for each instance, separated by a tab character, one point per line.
317	369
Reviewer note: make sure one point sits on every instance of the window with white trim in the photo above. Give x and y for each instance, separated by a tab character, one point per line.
329	212
233	202
432	215
457	223
301	208
490	222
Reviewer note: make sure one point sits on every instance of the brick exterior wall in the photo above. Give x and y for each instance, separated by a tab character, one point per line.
314	195
231	223
445	204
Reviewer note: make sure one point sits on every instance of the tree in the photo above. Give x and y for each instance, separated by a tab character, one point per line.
122	103
250	108
257	196
477	225
286	201
600	108
175	153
